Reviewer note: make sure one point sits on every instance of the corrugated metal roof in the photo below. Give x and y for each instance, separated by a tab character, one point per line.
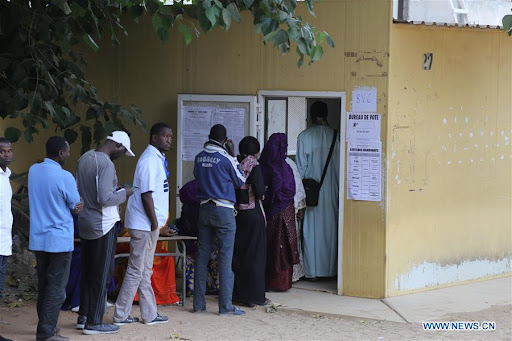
445	24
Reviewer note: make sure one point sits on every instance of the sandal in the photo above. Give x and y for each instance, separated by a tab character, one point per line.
265	303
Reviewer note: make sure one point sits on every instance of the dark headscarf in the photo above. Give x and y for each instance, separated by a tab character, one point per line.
187	223
277	174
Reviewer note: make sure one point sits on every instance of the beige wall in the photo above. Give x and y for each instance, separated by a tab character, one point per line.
236	62
151	74
449	185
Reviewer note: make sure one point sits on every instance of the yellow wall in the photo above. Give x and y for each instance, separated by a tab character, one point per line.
236	62
151	74
449	185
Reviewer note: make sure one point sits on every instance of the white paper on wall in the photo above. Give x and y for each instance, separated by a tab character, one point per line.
364	170
195	127
364	126
364	99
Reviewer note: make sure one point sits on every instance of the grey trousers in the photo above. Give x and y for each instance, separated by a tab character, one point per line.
52	276
138	277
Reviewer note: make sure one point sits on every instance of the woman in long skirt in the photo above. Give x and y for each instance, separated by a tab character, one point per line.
282	252
249	256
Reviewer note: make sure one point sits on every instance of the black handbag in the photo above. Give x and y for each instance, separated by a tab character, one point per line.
311	186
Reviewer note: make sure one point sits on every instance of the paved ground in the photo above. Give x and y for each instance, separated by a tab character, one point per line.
311	315
417	307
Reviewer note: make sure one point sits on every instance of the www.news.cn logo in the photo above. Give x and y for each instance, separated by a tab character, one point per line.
459	325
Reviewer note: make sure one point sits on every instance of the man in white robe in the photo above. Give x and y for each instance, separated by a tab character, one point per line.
320	229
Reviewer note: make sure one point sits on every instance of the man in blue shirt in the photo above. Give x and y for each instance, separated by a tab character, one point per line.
52	194
217	173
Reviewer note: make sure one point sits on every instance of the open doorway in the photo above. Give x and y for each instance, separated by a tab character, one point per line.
289	112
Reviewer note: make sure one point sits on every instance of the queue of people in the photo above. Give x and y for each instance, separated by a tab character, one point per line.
247	209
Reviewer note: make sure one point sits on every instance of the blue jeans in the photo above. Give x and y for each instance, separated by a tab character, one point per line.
3	272
215	221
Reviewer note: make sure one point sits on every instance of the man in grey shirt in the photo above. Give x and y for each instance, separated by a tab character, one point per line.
97	185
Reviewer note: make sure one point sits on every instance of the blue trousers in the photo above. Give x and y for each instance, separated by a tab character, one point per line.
3	272
215	221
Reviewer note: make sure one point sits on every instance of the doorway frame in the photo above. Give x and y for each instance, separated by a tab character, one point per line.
262	94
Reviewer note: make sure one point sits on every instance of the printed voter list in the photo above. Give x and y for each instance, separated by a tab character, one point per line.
364	170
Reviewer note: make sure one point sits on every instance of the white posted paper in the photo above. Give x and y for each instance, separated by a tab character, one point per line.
364	126
195	127
364	99
364	170
196	124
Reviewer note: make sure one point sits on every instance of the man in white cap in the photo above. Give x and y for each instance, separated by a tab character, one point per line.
97	184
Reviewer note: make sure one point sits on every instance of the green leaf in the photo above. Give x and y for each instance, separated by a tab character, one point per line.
37	102
507	22
290	5
330	42
156	20
67	112
301	61
320	37
29	132
99	132
86	138
186	33
235	14
49	106
136	110
43	122
210	14
280	38
204	22
226	17
268	25
301	45
248	3
163	34
283	16
309	4
136	11
270	36
77	10
317	53
63	5
70	135
12	134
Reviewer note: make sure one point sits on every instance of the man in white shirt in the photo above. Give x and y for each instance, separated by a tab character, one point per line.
6	156
147	212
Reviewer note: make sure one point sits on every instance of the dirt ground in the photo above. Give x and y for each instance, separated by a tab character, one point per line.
19	323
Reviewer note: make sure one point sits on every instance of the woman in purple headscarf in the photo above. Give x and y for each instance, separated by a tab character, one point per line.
282	251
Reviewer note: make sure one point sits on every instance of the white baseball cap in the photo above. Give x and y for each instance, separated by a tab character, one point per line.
122	138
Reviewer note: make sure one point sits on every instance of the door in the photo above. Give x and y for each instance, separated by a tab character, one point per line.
288	112
197	114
